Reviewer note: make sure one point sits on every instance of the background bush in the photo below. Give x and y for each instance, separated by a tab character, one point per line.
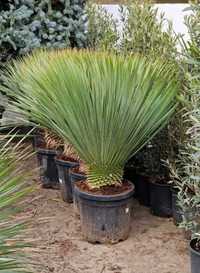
187	168
29	24
102	32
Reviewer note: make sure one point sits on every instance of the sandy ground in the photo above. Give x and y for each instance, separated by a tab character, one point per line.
155	245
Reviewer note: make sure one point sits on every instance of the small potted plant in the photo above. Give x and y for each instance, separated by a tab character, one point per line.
46	154
108	107
154	176
161	197
134	171
67	161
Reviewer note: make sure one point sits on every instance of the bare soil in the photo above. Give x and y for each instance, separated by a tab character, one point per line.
155	245
106	190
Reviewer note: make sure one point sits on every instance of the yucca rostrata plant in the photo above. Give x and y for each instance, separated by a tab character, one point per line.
12	188
108	107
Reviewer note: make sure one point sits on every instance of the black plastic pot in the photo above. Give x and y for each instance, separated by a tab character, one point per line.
195	257
143	190
161	199
76	177
177	212
48	170
64	174
105	218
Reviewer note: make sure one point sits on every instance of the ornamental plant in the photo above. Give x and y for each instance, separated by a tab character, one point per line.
108	107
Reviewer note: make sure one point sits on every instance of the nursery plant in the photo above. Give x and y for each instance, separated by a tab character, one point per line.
12	189
67	161
108	107
46	145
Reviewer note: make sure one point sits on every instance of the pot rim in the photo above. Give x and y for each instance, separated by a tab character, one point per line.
108	198
79	175
46	151
192	249
160	184
69	164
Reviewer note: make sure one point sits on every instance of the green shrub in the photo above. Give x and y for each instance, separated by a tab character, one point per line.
146	32
102	33
187	168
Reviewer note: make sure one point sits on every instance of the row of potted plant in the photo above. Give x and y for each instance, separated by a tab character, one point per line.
154	192
59	165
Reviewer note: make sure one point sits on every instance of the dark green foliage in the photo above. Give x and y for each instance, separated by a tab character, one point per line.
150	160
29	24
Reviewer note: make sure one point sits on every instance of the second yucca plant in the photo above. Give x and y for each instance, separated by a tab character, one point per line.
108	107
